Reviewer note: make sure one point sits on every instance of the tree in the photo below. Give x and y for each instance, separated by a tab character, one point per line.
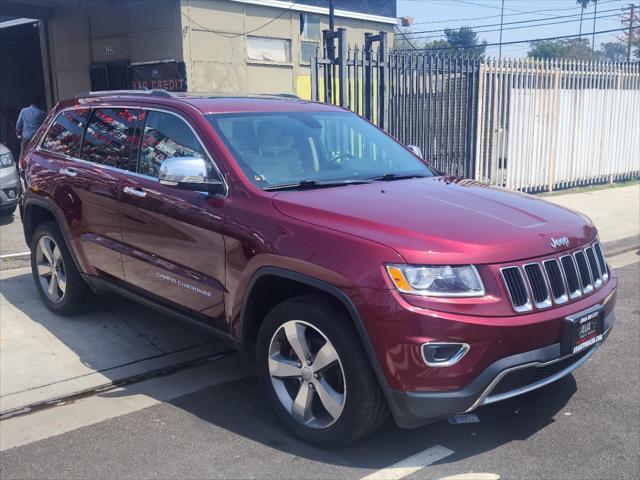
402	42
465	38
613	52
547	49
570	48
583	4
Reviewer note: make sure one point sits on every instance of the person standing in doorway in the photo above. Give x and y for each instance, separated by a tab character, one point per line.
29	119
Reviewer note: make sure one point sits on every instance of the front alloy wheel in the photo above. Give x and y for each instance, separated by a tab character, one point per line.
51	271
315	372
306	374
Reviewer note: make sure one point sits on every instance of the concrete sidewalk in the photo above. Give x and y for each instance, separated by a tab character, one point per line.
45	357
614	211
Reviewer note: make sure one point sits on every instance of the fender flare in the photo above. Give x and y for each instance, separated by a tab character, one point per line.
51	207
331	290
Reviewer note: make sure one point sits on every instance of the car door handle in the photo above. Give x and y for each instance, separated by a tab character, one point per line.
136	192
69	172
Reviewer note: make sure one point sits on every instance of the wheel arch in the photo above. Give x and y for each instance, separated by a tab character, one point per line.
265	290
37	211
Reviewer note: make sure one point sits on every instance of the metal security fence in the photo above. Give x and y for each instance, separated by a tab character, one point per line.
524	124
544	125
427	101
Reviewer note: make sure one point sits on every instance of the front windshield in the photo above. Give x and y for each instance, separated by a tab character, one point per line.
278	149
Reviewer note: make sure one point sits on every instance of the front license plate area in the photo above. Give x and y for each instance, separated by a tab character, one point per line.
582	330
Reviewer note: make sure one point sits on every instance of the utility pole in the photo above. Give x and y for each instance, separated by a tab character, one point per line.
501	19
593	35
331	15
630	38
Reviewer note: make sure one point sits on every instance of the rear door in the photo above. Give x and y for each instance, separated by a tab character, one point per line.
174	246
88	172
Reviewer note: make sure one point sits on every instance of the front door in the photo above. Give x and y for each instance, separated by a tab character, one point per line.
173	241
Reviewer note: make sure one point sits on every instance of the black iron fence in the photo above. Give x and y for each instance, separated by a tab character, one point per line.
423	100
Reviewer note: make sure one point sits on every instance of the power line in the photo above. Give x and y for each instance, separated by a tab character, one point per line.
235	35
520	22
515	28
520	13
525	41
405	37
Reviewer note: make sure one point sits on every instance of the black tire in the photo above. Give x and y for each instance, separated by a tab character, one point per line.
8	211
365	408
77	295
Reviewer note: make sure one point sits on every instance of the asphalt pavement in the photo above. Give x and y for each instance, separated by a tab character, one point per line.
212	422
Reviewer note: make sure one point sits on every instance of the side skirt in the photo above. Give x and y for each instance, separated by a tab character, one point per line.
99	285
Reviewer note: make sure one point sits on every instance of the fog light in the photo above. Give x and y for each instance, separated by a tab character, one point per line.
11	193
443	354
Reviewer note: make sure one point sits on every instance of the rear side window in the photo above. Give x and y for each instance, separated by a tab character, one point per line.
65	135
166	136
112	138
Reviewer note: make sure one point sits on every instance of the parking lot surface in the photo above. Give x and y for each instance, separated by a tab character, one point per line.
211	421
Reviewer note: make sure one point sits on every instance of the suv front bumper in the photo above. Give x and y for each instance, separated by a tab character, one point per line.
505	378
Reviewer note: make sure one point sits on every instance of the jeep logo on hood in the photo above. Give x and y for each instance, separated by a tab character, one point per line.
559	242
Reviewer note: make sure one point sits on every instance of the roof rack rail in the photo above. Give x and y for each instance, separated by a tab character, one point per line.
149	93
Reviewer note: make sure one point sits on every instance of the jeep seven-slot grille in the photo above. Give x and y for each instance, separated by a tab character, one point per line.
555	280
538	285
516	288
583	270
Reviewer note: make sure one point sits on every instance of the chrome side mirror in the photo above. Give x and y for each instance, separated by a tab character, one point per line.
189	173
416	150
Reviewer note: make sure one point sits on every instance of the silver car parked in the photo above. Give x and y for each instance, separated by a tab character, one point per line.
9	182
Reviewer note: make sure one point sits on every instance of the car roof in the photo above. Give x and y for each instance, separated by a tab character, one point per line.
206	103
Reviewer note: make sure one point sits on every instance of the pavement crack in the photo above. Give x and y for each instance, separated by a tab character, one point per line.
139	332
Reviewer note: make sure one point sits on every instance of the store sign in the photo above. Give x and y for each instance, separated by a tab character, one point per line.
169	76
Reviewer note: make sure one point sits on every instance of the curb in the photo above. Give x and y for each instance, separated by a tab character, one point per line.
616	247
15	260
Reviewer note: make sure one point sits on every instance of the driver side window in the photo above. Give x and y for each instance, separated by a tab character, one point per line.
166	136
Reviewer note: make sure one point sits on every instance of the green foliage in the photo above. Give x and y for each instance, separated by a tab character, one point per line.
613	52
571	48
465	37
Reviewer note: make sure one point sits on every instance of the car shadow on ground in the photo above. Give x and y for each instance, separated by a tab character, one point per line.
240	407
8	219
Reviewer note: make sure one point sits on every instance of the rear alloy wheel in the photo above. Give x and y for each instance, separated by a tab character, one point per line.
306	374
316	373
51	271
57	279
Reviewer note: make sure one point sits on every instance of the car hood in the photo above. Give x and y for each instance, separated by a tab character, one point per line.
440	220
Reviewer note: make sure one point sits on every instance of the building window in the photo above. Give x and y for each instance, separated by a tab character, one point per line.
307	52
309	27
269	49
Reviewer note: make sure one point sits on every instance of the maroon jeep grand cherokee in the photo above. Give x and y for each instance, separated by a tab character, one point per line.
362	280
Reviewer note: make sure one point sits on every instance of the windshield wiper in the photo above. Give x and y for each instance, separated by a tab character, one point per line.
387	177
312	184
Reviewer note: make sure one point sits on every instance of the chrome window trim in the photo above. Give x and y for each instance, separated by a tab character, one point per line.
129	172
464	349
575	293
546	303
597	282
563	298
527	307
589	288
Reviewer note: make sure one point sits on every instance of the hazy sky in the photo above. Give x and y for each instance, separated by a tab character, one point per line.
453	14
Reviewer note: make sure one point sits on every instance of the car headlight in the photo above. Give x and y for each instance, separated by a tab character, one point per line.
437	280
6	160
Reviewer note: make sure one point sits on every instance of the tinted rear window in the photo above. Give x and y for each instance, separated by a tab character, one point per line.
65	135
112	138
